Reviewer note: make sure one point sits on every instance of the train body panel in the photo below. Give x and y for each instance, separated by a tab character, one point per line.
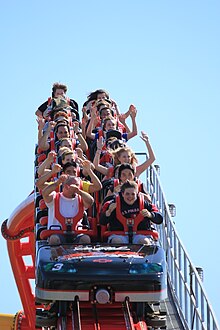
134	271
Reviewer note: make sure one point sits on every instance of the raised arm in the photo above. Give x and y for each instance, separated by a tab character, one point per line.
80	155
47	163
100	168
88	200
133	113
84	122
42	181
82	142
95	182
41	123
90	128
141	168
122	118
47	192
92	123
43	141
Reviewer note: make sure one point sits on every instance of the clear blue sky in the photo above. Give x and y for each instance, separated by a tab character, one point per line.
162	56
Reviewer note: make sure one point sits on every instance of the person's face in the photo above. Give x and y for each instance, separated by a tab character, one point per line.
68	190
130	195
71	170
105	113
126	174
101	96
62	132
110	124
59	92
68	159
125	157
66	143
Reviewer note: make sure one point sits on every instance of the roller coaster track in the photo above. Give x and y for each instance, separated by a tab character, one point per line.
98	317
187	306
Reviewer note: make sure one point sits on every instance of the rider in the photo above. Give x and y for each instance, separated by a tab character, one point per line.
58	90
68	205
124	172
129	207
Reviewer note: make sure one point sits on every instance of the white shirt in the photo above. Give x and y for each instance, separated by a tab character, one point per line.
68	207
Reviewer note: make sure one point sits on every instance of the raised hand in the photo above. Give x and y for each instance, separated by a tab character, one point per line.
100	143
74	189
93	111
41	123
52	154
76	126
85	115
62	178
79	152
56	168
144	136
51	125
122	118
87	165
133	111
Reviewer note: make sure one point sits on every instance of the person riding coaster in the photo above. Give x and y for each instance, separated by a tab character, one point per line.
129	216
65	210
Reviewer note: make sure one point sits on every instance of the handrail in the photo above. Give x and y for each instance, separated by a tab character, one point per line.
186	286
187	289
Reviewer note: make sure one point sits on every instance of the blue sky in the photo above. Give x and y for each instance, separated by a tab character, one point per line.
162	56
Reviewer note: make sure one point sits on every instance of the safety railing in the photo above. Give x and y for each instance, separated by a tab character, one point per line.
185	283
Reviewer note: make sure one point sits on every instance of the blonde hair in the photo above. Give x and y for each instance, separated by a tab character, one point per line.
106	120
117	153
65	139
67	153
62	150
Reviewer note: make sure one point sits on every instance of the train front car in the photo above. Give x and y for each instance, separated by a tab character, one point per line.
101	274
134	271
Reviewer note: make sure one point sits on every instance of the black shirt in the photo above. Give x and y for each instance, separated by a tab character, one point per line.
129	211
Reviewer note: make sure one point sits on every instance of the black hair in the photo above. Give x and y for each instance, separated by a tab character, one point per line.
61	123
93	95
104	104
123	167
65	166
56	86
104	108
129	184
